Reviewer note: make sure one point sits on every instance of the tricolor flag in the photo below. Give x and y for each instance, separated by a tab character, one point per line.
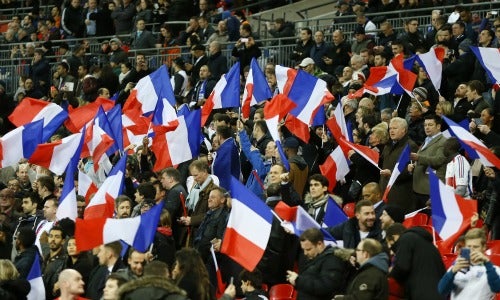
67	202
274	111
489	58
179	142
101	118
334	214
335	167
248	228
220	285
30	110
102	205
340	119
451	213
404	159
149	91
394	78
256	89
137	232
97	142
472	145
79	117
226	93
20	143
366	152
86	187
305	90
115	121
56	156
299	219
432	62
37	290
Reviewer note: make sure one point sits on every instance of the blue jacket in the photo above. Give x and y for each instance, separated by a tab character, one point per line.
259	165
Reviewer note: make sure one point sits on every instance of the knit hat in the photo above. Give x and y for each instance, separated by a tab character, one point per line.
291	142
115	40
421	92
180	62
395	212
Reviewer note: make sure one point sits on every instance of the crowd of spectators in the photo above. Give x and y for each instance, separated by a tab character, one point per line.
195	194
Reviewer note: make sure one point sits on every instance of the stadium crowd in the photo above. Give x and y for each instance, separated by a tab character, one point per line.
380	257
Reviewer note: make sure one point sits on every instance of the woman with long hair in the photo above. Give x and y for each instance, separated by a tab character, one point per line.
11	286
190	274
80	261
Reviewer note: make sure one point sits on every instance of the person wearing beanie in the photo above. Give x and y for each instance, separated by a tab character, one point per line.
392	214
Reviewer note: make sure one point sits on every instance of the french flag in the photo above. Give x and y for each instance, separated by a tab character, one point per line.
102	205
115	122
394	78
307	91
20	143
248	228
404	159
274	111
220	284
79	117
226	93
135	130
35	279
340	119
148	92
472	145
137	232
86	187
335	167
67	203
56	156
451	213
97	143
256	89
178	143
489	58
334	215
432	62
101	118
30	110
298	219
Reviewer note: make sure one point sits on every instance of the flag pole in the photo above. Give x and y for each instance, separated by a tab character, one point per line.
399	102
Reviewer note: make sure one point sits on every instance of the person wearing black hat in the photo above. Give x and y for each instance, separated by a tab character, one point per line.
200	59
299	170
361	41
391	214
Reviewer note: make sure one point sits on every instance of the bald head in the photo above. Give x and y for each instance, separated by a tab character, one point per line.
71	283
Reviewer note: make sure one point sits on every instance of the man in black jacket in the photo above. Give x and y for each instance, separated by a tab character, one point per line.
323	275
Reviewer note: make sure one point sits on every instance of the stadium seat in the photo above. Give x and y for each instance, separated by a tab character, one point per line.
282	292
349	209
417	220
493	247
396	291
448	259
495	259
435	236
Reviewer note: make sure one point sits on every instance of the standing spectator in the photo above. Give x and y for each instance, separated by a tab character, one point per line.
40	72
104	23
192	29
55	261
171	180
361	41
371	280
199	58
217	63
220	35
109	261
227	160
281	30
299	170
91	24
324	274
25	245
123	16
412	36
304	45
72	20
142	38
319	50
246	47
458	168
338	53
417	265
206	29
144	12
179	78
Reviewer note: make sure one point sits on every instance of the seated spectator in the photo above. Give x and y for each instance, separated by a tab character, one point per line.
361	41
281	30
304	45
251	284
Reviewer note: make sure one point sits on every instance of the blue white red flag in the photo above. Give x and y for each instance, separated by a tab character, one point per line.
404	159
432	62
35	279
256	89
489	58
20	143
335	167
334	214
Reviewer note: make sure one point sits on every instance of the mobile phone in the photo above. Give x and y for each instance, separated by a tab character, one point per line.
231	280
68	86
465	253
244	40
478	121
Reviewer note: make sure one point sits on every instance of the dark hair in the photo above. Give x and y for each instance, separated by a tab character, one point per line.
362	203
120	280
115	247
262	125
172	172
476	85
320	178
308	30
58	228
156	268
224	131
147	190
26	237
312	235
254	277
191	264
434	117
394	229
48	182
274	189
220	117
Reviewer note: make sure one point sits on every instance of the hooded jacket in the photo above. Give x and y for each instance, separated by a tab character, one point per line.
371	281
152	288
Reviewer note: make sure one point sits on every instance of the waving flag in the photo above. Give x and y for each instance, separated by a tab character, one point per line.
489	58
226	93
274	111
30	110
137	232
221	287
97	142
67	202
299	219
334	214
102	119
256	89
404	159
179	142
57	155
86	187
472	145
102	205
37	290
451	213
20	143
248	228
149	91
79	117
432	62
115	121
340	119
335	167
394	78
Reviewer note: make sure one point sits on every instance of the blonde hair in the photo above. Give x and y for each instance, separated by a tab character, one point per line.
7	270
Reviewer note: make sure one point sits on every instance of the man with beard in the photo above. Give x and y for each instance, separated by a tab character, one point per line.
460	104
123	207
55	261
362	225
